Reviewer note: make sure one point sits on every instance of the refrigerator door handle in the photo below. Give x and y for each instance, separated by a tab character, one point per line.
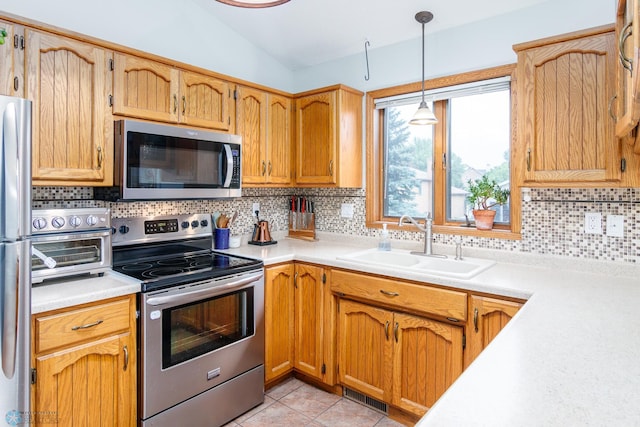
9	185
9	285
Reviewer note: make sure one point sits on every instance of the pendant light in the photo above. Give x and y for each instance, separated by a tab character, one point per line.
253	3
424	116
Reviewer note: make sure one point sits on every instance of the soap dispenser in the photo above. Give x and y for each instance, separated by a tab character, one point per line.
384	244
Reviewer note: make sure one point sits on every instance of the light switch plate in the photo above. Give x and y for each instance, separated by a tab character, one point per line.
346	210
593	223
615	225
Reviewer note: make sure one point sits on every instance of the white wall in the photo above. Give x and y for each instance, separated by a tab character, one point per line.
470	47
176	29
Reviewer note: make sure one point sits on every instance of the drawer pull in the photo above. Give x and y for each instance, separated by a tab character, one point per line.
126	358
391	294
88	325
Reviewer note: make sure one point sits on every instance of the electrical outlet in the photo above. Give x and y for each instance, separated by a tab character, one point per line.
256	207
346	210
615	225
593	223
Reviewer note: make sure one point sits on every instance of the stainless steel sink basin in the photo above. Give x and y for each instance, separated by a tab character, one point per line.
448	267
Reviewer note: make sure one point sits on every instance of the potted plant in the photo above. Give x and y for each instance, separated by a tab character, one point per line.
483	195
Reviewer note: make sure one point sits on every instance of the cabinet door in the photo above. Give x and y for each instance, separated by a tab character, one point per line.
12	60
564	123
365	349
72	130
279	139
309	302
251	124
427	358
489	316
279	318
628	36
316	139
145	89
90	384
204	101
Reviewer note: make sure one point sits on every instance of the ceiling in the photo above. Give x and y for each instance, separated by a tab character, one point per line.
304	33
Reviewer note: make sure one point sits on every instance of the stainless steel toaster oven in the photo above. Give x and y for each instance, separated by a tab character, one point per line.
68	242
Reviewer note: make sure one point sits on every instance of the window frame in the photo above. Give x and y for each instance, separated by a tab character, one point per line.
375	161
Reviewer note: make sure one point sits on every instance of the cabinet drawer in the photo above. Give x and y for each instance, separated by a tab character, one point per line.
69	327
405	296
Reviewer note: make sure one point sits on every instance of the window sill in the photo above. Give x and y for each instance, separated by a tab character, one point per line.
459	230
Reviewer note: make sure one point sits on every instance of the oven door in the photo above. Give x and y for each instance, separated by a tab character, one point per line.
197	336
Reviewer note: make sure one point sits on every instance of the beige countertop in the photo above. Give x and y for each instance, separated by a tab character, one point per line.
571	355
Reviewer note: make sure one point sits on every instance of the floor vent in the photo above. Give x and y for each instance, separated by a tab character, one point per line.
365	400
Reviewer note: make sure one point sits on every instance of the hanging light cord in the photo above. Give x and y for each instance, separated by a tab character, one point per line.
423	62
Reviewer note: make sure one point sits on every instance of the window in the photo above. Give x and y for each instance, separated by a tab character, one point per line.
420	169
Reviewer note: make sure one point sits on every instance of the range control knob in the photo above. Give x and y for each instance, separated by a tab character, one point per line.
75	221
194	224
124	229
39	223
92	220
204	223
57	222
185	224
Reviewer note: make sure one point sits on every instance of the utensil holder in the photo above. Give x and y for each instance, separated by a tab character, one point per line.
302	225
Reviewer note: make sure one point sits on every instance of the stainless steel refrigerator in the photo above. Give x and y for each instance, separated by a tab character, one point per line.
15	259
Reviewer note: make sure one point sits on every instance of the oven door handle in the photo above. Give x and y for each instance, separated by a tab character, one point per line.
184	297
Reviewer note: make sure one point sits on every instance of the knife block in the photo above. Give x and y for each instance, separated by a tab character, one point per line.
302	225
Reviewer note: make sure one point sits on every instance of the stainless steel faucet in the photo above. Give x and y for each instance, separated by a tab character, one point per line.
428	235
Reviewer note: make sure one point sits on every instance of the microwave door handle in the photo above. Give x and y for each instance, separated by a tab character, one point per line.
9	180
229	157
204	293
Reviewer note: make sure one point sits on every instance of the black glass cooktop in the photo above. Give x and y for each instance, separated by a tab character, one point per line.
161	266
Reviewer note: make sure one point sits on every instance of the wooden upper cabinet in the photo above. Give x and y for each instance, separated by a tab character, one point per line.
488	317
12	60
329	137
145	89
565	87
69	83
204	101
628	94
152	90
264	122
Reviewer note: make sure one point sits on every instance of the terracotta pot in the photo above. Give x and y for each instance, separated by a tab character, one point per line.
484	219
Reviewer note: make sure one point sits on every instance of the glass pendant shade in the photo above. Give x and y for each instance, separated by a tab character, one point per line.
424	116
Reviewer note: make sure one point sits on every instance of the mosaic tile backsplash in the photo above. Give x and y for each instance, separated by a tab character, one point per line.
552	221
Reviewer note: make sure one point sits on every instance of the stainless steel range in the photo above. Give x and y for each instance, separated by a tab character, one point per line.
201	331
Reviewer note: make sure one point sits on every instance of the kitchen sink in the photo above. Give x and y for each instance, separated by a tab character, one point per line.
448	267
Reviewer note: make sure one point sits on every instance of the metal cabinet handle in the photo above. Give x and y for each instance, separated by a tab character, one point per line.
331	167
184	104
386	330
264	168
529	160
391	294
613	98
475	319
175	103
16	83
295	280
270	167
395	331
126	358
626	32
100	157
88	325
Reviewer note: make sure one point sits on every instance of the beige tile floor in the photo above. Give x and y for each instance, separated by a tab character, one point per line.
295	403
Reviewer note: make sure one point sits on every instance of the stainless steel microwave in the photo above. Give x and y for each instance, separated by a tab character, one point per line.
164	162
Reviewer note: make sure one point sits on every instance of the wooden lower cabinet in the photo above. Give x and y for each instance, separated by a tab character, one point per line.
279	321
487	318
405	360
299	323
85	376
